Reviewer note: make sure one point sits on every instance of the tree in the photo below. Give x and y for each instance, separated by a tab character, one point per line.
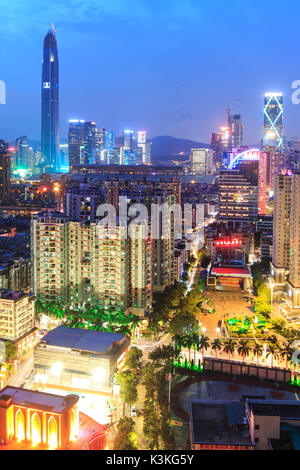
273	352
286	352
162	356
244	348
128	380
133	359
257	350
10	351
229	347
182	322
216	346
126	437
203	344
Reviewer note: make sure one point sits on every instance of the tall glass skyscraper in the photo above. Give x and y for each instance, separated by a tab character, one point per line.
273	111
50	103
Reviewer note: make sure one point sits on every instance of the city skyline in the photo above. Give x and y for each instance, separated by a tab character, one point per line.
165	91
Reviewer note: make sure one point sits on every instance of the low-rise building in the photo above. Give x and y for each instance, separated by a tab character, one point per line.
219	425
17	324
31	420
78	359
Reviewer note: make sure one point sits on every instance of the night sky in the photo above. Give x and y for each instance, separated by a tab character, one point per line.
168	66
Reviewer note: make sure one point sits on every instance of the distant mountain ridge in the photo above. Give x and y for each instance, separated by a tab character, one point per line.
167	148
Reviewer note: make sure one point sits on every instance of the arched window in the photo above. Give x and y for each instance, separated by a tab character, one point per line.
36	434
20	425
52	433
73	427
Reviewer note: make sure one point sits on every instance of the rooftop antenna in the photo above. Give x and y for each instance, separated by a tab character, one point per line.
54	30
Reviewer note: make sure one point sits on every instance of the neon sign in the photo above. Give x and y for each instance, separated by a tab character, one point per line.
251	154
228	243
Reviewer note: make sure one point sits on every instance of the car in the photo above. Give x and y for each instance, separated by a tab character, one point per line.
133	412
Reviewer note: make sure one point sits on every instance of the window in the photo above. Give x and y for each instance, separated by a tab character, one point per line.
257	439
257	426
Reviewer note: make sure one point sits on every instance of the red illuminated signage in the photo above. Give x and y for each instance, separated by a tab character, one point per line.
231	242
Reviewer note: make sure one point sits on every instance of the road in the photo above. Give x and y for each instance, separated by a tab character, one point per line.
24	368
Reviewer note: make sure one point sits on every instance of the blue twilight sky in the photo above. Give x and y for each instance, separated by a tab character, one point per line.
168	66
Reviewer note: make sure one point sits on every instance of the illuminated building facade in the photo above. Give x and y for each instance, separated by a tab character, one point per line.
5	158
78	359
238	189
78	263
236	130
37	420
281	227
81	203
22	153
201	161
50	102
273	124
82	142
17	325
294	265
145	146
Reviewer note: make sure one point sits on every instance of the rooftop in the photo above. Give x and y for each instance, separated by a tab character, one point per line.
12	295
38	400
228	271
83	340
219	422
286	409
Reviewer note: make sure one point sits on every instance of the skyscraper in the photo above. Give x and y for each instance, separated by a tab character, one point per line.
238	190
50	102
281	227
145	146
22	153
273	111
236	129
4	173
201	161
82	142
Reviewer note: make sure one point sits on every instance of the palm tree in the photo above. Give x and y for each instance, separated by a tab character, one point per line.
258	350
286	352
273	352
204	344
229	347
244	348
216	346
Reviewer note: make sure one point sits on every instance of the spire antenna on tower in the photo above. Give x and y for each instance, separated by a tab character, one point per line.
54	30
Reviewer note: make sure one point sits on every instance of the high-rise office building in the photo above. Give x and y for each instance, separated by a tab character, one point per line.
5	158
50	102
273	124
236	130
145	146
128	139
100	137
201	161
82	142
22	153
281	227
